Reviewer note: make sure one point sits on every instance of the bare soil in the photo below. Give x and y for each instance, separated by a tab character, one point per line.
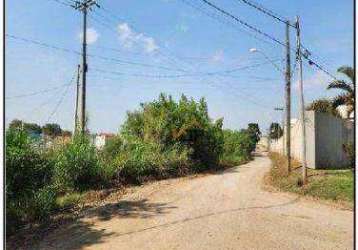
226	210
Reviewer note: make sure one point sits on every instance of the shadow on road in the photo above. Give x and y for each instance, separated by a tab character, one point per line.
129	209
76	233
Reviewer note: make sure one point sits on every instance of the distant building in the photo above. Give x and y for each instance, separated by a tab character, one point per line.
101	139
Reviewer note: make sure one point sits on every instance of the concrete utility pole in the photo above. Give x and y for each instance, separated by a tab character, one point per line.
302	104
84	6
288	98
77	100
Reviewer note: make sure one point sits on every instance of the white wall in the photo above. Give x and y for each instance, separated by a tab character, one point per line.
325	136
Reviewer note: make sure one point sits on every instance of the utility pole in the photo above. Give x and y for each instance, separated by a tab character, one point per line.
84	6
302	104
77	100
288	98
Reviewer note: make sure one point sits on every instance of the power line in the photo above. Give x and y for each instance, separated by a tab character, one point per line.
243	22
116	18
216	17
311	62
61	98
43	44
267	12
133	63
182	75
67	3
172	59
130	62
37	92
106	25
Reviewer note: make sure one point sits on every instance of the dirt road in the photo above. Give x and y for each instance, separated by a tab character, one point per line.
227	210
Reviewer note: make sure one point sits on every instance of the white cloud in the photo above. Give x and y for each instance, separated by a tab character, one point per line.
92	36
218	56
128	38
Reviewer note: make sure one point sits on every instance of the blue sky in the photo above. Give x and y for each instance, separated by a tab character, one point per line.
180	44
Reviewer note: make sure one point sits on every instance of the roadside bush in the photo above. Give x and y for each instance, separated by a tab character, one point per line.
76	166
186	122
28	173
112	147
138	160
238	146
44	202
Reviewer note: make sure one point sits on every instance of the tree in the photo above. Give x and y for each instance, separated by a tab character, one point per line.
347	97
16	124
28	127
32	128
52	129
254	131
275	131
323	106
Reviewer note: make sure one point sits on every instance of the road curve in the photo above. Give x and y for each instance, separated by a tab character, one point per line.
227	210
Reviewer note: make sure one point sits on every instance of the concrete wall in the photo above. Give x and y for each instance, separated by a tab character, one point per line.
325	136
331	134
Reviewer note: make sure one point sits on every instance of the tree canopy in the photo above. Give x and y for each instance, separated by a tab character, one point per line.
347	87
275	131
323	106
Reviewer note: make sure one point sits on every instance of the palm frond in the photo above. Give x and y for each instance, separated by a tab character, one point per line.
348	71
340	100
340	84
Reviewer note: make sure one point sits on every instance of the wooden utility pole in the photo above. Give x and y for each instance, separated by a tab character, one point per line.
77	100
302	104
288	98
84	6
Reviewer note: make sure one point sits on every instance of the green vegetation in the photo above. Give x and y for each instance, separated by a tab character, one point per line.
275	131
76	166
162	139
347	97
237	147
323	106
49	129
28	178
335	185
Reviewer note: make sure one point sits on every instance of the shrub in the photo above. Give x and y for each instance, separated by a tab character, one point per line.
28	173
138	160
112	147
186	122
238	146
76	165
44	202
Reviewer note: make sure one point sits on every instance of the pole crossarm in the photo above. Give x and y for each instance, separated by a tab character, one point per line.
84	5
